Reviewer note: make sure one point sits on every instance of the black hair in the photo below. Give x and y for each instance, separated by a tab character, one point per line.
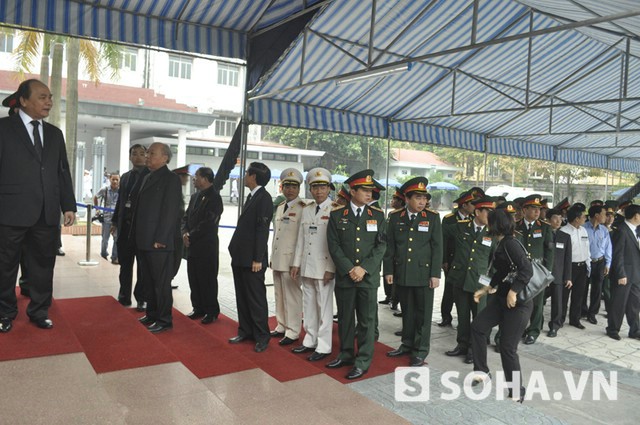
24	89
501	223
631	210
553	211
573	213
136	146
205	172
595	210
261	171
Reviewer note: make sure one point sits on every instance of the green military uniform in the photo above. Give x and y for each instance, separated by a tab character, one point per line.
539	243
357	242
413	257
471	259
446	305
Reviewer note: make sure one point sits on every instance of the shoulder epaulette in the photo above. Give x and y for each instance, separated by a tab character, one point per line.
396	211
376	208
282	203
466	220
432	211
540	222
449	215
302	203
339	207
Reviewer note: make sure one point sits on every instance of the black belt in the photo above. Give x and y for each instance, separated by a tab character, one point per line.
597	260
580	264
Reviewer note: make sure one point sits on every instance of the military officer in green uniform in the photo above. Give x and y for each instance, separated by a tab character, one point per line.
472	250
356	239
537	238
611	207
412	264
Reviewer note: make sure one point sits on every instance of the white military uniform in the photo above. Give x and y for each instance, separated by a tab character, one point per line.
313	258
288	294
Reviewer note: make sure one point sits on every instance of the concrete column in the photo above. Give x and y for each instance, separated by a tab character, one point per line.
125	141
181	159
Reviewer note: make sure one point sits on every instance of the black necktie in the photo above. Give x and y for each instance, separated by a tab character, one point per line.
358	212
286	206
478	229
638	232
37	141
317	209
248	198
530	226
413	217
246	202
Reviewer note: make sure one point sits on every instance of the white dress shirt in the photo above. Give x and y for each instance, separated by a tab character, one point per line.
579	245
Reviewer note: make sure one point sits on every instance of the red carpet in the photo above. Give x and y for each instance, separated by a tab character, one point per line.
277	361
200	351
26	340
381	364
110	337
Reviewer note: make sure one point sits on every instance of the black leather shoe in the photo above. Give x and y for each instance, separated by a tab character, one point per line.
334	364
397	314
394	305
577	325
126	303
276	334
592	320
355	373
497	347
458	351
317	356
195	315
208	318
552	333
302	349
156	328
5	325
614	336
481	379
237	339
287	341
529	339
397	353
468	358
260	347
385	301
141	306
43	323
445	323
416	362
522	393
146	320
60	252
398	333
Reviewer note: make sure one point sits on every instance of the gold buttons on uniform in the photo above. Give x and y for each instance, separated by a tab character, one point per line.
473	250
357	228
357	261
410	239
358	239
409	260
409	250
357	249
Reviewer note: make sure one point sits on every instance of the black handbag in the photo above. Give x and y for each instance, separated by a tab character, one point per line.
540	279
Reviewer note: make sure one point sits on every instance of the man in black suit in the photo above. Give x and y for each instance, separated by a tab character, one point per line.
248	249
35	185
625	275
121	226
158	209
200	236
561	270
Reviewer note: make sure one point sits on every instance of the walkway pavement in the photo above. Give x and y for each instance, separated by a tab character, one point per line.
65	390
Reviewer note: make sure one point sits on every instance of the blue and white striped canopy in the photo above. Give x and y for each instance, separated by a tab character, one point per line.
555	80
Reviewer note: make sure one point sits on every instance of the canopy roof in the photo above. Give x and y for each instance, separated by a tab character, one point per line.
555	80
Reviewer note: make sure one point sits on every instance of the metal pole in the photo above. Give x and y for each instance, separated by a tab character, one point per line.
386	192
87	261
555	177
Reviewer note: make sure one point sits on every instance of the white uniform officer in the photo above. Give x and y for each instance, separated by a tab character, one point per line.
288	294
313	263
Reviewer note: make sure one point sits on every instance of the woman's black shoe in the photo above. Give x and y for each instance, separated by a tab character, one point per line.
523	391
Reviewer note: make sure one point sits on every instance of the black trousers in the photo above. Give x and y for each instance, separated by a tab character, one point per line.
595	281
126	258
446	305
203	282
41	244
555	293
625	301
512	323
576	293
157	272
251	302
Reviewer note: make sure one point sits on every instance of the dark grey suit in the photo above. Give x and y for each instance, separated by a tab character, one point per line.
625	299
561	273
33	192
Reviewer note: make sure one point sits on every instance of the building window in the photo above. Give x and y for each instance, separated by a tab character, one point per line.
252	155
128	59
279	157
225	126
228	74
180	67
195	150
6	43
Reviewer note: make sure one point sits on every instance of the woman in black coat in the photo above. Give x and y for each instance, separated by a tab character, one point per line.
503	309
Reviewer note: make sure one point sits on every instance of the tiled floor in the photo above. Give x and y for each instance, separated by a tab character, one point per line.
65	390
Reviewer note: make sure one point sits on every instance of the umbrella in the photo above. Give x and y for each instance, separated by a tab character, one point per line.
390	182
442	186
338	178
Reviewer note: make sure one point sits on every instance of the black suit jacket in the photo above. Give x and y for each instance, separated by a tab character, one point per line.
562	258
626	256
201	222
30	185
249	241
158	209
121	214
